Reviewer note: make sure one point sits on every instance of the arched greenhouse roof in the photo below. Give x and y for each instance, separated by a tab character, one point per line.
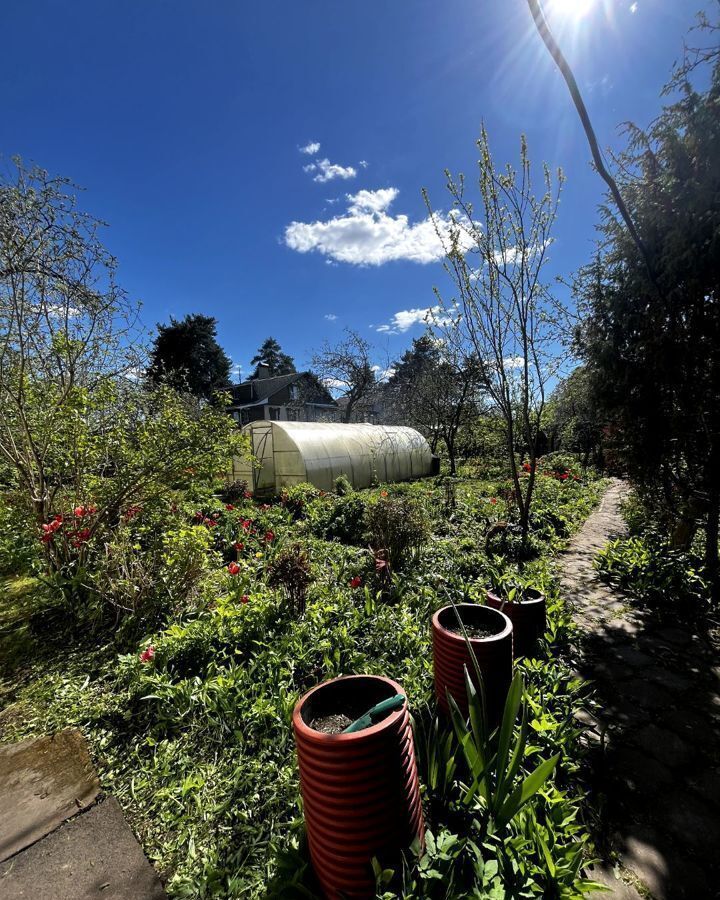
289	453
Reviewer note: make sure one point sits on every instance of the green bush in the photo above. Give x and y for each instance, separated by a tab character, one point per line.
297	498
339	519
18	549
651	571
397	527
343	486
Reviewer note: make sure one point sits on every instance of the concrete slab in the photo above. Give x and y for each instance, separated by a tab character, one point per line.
43	782
609	879
93	857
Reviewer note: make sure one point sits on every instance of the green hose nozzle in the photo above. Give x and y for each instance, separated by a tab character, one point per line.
379	710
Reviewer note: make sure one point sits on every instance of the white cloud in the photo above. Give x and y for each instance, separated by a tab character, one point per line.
367	235
61	311
371	201
383	374
514	362
633	7
363	163
310	167
311	149
327	171
334	384
331	317
405	319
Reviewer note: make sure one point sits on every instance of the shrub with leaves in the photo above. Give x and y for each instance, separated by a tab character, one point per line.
648	568
290	571
397	528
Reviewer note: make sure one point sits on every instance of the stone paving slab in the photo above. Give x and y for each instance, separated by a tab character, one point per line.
93	857
654	739
43	782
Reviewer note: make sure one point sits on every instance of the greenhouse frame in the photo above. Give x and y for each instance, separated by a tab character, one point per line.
289	453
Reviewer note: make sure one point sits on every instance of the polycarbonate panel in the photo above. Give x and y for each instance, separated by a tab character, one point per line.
318	452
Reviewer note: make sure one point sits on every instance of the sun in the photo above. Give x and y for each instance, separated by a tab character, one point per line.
570	9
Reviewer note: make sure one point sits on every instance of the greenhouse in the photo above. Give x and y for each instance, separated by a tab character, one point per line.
288	453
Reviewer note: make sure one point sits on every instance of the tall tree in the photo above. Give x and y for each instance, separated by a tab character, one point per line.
346	367
653	354
187	356
66	328
574	418
503	314
81	438
435	392
270	354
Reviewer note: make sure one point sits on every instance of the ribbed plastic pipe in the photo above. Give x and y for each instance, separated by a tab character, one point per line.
494	656
360	791
528	618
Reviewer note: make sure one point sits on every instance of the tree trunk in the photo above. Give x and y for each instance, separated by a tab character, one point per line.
525	509
686	526
451	455
712	568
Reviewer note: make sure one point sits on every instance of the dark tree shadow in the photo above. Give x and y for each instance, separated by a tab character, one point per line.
653	739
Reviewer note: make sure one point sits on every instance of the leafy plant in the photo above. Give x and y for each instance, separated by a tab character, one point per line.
343	486
494	760
397	528
655	573
290	571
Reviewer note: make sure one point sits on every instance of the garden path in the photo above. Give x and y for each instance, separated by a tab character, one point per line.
56	841
653	730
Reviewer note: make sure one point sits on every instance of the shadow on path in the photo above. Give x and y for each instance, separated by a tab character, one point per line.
654	730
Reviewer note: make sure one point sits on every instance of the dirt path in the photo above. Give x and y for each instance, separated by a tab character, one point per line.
654	730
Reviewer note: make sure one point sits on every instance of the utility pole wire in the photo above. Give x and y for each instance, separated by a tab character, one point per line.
553	48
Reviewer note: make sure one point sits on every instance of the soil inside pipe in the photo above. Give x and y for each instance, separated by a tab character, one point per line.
332	724
340	704
473	628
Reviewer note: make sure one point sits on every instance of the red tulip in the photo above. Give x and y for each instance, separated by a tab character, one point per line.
233	568
238	545
356	582
229	507
148	654
269	536
493	500
244	598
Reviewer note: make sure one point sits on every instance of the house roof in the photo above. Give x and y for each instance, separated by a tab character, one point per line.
262	388
258	390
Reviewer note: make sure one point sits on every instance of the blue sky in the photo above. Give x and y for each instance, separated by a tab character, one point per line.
184	121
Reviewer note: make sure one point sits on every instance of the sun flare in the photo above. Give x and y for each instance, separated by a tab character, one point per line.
571	9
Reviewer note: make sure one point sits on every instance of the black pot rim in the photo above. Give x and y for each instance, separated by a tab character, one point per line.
539	599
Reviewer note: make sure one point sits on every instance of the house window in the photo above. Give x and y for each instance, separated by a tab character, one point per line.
275	413
294	392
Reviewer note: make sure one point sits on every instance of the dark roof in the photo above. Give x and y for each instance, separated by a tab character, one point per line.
255	390
262	388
